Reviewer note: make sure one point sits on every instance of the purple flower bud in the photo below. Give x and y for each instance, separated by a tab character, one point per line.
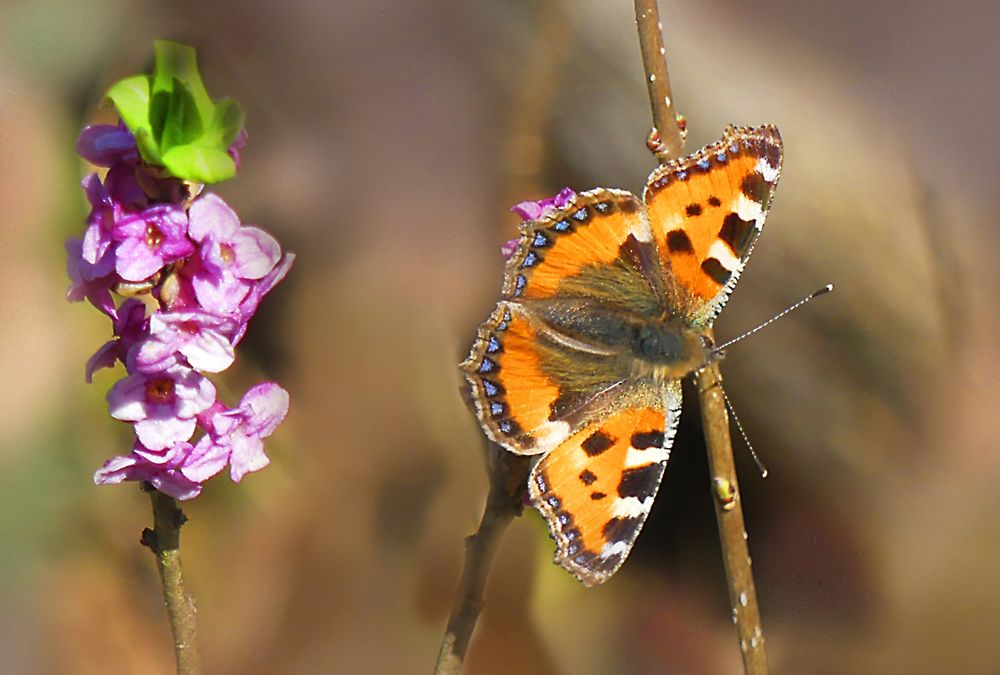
97	240
163	470
235	150
534	210
130	326
162	405
107	145
509	248
86	282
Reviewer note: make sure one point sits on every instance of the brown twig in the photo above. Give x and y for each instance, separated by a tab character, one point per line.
647	18
508	484
729	515
715	421
164	541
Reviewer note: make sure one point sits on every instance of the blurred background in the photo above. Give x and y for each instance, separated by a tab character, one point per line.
387	141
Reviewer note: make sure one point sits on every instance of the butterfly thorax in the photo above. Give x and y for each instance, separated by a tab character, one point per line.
668	350
642	344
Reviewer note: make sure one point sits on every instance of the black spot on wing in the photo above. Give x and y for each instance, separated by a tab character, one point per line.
737	233
713	268
714	201
640	482
755	187
628	205
597	443
679	242
647	439
587	477
621	529
693	210
597	496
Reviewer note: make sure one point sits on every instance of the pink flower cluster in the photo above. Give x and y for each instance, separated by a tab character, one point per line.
206	274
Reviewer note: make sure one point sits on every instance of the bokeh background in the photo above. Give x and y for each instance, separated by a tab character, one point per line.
388	140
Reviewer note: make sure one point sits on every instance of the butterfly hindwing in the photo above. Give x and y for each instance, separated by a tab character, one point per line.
706	211
532	386
596	489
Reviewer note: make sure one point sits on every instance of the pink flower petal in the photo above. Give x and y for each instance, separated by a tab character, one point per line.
256	253
210	216
160	433
206	460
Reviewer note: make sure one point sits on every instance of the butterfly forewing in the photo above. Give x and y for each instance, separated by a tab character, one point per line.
706	211
597	247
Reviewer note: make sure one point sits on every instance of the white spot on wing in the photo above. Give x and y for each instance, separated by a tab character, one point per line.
748	209
614	548
637	458
770	173
721	252
550	434
638	225
632	507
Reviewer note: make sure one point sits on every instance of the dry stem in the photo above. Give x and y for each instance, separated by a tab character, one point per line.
647	18
508	484
715	421
164	541
729	514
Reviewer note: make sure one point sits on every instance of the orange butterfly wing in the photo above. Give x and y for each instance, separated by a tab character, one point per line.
706	211
533	384
596	489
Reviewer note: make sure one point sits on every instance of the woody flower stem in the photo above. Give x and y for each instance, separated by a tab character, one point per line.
714	419
508	484
164	541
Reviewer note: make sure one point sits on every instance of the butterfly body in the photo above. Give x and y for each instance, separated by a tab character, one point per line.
605	307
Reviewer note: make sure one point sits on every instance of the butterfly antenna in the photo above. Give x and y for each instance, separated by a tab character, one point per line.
815	294
753	453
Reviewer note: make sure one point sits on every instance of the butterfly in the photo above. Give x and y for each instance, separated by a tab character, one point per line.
605	305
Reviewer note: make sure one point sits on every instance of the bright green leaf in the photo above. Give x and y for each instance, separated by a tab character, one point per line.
183	123
175	61
202	164
131	99
159	110
226	123
148	147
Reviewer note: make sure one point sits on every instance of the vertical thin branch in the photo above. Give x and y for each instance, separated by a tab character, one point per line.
164	541
508	484
729	514
647	18
715	421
